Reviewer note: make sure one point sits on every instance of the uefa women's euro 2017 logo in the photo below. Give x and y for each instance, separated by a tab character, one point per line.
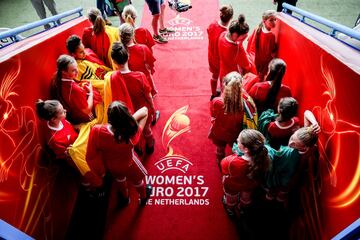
185	30
174	186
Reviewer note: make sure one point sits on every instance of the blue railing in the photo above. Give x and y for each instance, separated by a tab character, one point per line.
14	35
334	27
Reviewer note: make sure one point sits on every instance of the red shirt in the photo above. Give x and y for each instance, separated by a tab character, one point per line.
104	153
225	128
119	90
232	57
74	98
92	57
280	135
265	52
250	80
143	36
139	90
214	31
260	90
101	43
59	140
236	169
141	59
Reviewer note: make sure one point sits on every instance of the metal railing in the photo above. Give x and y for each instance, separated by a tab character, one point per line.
334	27
14	35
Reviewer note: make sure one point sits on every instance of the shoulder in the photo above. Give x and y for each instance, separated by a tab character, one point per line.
217	102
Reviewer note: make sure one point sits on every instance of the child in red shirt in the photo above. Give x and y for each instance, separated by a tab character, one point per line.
89	65
111	148
79	101
278	128
140	57
267	94
214	30
232	54
262	46
242	174
138	88
59	136
100	37
142	35
227	114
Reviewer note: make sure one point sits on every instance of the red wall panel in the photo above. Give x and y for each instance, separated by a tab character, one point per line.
324	76
36	195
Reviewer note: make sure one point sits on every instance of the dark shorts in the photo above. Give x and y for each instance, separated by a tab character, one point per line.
154	6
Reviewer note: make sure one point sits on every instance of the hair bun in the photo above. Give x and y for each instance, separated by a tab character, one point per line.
241	18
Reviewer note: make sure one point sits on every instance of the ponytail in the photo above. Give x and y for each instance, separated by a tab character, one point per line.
62	64
233	93
97	20
129	14
122	122
239	26
277	68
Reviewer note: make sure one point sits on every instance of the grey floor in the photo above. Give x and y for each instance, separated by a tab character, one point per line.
14	13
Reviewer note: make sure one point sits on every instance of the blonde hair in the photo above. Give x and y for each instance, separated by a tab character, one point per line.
233	93
307	136
127	32
94	16
267	14
129	14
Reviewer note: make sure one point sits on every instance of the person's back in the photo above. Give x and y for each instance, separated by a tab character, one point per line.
141	59
119	91
225	127
116	156
143	36
280	134
260	91
237	169
100	37
232	57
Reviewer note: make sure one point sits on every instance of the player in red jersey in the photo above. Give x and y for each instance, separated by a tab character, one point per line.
227	114
140	57
243	174
59	135
232	54
138	88
278	128
214	30
89	65
142	35
79	101
100	37
267	94
262	46
111	148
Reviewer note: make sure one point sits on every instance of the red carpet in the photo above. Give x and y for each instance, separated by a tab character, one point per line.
187	183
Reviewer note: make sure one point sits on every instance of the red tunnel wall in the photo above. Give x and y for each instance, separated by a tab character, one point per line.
324	76
36	195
